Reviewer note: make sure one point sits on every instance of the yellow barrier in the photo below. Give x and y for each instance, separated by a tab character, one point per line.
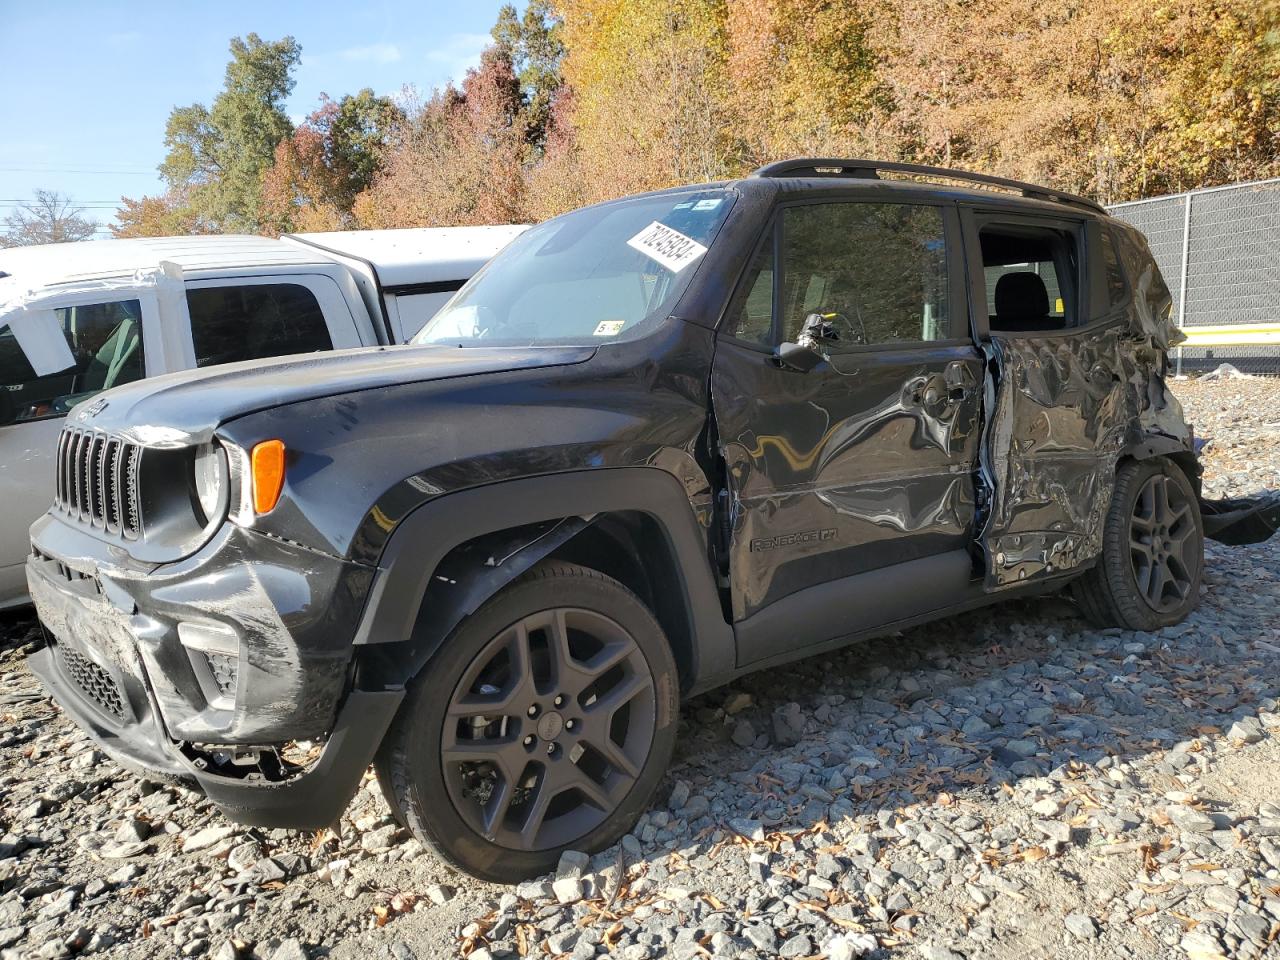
1232	335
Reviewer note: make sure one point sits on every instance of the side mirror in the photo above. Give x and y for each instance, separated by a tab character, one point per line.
809	350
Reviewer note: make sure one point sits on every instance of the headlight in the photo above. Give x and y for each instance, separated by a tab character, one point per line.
210	481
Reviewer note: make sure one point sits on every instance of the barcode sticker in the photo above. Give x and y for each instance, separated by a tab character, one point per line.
671	248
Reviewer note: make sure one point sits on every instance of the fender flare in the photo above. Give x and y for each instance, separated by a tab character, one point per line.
1161	445
427	534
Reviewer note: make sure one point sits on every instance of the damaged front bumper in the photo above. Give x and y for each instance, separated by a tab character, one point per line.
204	670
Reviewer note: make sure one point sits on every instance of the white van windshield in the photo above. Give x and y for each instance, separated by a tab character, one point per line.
589	276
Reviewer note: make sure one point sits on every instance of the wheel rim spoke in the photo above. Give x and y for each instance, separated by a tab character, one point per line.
495	811
548	696
594	792
516	647
620	695
1163	540
497	752
1155	589
616	756
608	658
539	804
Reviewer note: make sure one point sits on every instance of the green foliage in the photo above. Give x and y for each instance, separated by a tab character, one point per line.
581	100
218	155
535	48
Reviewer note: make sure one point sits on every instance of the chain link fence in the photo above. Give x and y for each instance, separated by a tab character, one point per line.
1219	251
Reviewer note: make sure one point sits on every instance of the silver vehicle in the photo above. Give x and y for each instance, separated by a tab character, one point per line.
80	318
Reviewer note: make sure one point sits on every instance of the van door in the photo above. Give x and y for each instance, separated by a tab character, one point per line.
110	342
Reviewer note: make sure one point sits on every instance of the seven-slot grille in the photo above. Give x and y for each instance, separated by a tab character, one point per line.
97	481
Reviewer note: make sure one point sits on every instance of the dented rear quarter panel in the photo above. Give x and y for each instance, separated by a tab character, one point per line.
1063	410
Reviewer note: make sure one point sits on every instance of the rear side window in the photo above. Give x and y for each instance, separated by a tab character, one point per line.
255	321
417	308
106	341
1031	278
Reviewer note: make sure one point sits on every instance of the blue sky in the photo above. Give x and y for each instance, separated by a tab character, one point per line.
87	86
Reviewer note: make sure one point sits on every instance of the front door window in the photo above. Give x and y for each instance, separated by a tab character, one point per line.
105	340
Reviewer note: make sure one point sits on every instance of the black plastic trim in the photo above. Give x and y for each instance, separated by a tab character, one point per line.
426	535
434	286
315	799
854	605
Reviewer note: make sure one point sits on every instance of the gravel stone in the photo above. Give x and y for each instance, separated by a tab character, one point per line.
1082	926
981	786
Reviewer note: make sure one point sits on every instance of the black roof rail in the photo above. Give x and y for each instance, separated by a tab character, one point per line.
871	169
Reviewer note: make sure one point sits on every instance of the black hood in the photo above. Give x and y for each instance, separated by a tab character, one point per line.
184	408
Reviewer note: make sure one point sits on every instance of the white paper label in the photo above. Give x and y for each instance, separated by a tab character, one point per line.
609	328
671	248
707	204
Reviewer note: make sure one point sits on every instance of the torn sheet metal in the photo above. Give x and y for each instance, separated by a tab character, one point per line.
1064	410
1240	521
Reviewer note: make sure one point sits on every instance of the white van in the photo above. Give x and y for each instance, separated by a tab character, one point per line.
78	318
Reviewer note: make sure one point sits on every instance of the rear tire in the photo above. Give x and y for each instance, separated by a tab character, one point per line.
1148	574
545	723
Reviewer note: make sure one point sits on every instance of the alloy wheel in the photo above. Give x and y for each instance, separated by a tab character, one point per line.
548	729
1162	542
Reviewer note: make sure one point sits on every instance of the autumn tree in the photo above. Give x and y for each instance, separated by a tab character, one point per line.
327	162
801	79
168	215
459	157
49	218
649	92
217	155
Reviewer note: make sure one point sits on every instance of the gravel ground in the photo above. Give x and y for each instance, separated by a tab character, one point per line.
1005	784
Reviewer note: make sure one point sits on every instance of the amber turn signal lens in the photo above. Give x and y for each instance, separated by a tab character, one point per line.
267	463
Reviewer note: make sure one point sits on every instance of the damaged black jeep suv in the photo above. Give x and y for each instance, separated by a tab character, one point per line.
655	444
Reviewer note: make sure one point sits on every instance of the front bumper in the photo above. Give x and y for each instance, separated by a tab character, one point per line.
117	662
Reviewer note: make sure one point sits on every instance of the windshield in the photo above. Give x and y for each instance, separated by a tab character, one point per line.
592	275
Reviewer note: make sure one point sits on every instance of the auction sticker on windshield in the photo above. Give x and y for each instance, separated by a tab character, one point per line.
671	248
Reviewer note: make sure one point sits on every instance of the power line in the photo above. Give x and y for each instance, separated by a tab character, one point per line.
73	202
126	173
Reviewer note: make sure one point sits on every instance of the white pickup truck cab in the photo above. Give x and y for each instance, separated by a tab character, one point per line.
79	318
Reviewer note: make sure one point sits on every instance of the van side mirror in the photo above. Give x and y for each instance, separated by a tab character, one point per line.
810	348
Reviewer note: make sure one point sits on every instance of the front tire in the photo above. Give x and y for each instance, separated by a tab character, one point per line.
1148	575
545	723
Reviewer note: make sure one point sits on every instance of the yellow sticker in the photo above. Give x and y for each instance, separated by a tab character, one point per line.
609	328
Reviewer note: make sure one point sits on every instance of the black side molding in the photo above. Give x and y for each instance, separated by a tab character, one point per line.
422	540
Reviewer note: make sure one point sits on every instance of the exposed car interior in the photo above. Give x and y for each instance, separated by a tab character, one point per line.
1031	278
106	341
